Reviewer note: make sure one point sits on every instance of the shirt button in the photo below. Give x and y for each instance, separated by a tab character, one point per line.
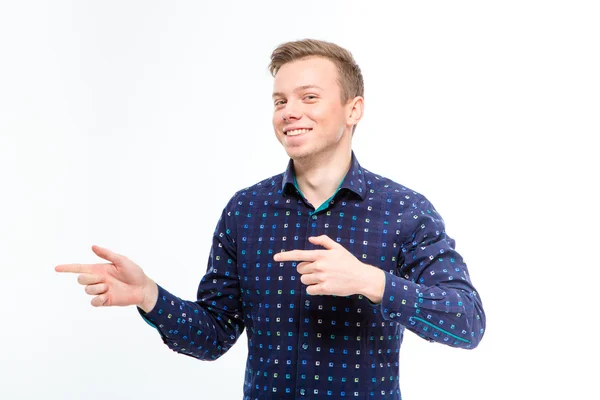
314	217
307	303
392	315
305	346
302	392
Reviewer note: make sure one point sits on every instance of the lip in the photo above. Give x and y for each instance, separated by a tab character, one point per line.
286	130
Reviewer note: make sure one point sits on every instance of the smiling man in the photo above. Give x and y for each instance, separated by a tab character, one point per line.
324	265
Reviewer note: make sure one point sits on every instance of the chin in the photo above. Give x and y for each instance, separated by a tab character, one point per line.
296	153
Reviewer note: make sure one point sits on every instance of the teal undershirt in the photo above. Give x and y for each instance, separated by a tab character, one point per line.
326	203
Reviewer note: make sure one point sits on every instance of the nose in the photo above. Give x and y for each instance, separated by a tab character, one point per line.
291	112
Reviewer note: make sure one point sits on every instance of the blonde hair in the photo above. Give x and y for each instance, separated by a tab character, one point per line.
350	77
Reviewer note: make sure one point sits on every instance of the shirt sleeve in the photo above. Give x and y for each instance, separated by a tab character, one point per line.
208	327
432	294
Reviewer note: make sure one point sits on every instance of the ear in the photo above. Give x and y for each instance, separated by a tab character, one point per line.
355	109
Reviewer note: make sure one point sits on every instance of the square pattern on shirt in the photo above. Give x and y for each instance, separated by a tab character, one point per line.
302	346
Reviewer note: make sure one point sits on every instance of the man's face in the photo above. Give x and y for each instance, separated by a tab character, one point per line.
309	118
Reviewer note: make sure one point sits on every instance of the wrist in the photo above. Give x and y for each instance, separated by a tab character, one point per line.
374	284
149	296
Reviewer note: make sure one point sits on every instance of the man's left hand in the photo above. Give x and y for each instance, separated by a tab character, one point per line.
335	271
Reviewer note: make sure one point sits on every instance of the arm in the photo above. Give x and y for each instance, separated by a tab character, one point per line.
208	327
432	295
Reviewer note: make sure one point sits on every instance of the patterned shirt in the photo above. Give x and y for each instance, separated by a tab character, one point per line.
314	347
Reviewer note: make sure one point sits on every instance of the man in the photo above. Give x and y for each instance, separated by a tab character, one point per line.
325	265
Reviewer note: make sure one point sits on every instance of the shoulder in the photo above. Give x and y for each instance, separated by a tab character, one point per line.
392	191
412	210
253	195
397	199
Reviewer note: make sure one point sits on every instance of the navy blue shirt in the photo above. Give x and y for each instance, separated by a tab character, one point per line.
309	347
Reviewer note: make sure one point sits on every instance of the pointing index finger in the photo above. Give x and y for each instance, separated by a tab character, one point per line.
297	255
75	268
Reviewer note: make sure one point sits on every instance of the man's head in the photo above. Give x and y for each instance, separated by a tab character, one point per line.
318	86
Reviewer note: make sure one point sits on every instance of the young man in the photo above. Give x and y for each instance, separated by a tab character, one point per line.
324	265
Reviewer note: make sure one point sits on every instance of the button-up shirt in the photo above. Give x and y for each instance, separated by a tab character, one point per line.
316	347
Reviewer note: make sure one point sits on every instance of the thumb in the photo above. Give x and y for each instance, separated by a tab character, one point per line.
324	241
106	254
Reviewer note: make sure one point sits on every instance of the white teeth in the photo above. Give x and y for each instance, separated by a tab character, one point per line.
297	132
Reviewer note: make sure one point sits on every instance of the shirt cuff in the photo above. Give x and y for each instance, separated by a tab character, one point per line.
156	315
399	299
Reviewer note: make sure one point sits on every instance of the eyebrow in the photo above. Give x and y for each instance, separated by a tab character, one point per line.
299	89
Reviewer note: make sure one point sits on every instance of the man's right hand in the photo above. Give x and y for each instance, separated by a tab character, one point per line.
121	282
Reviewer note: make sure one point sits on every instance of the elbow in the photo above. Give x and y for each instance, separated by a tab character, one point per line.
474	341
210	352
467	326
475	325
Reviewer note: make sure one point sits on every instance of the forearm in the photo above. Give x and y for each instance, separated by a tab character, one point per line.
193	328
449	313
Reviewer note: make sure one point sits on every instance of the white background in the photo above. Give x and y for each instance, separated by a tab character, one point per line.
122	124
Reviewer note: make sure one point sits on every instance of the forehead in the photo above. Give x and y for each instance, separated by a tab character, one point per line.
314	71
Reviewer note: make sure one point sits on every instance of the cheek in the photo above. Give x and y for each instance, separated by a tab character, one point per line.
276	119
326	116
331	109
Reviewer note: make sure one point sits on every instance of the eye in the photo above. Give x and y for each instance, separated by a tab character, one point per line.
279	102
310	97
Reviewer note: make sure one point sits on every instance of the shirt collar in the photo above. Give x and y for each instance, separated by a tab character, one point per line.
354	180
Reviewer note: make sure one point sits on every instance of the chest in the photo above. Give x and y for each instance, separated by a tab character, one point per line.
272	291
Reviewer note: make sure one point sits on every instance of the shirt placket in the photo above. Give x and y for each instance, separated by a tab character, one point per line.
306	350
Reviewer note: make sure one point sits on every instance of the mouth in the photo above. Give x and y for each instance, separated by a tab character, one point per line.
296	132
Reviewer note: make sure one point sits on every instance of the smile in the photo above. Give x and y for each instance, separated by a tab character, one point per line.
296	132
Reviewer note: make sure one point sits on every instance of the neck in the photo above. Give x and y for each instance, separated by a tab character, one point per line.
319	177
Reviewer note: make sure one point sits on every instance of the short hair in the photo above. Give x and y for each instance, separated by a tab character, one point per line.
350	77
